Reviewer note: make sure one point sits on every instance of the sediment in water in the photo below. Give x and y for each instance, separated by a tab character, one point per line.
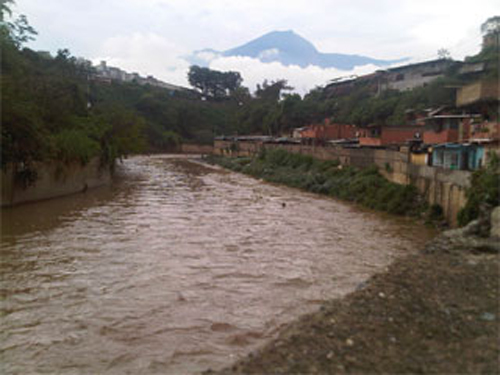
432	312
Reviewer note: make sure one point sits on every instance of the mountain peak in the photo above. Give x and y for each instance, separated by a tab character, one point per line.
282	32
284	46
289	48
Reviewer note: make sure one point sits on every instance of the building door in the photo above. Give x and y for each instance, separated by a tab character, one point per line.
465	160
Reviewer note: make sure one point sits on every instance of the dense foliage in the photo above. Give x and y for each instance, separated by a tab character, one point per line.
55	108
212	83
366	187
45	108
170	117
484	190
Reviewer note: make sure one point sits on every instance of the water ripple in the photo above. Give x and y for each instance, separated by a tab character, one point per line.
175	268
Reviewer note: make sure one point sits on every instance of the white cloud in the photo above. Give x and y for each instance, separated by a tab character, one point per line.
206	56
254	72
146	54
149	36
269	54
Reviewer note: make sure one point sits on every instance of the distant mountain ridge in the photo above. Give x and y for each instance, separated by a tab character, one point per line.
289	48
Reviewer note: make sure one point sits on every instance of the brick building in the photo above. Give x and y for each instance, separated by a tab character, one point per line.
389	135
328	131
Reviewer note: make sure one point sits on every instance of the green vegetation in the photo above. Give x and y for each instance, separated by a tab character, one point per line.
53	108
212	83
484	190
170	117
366	187
45	108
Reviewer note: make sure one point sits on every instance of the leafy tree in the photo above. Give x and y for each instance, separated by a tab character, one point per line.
212	83
271	91
491	26
44	108
241	95
263	114
19	30
443	53
5	9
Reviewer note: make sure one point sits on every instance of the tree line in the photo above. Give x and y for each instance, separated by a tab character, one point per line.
53	108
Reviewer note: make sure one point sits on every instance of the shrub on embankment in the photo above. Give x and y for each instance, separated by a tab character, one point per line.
484	190
363	186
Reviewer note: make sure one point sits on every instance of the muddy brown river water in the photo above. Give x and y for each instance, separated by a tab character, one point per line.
176	268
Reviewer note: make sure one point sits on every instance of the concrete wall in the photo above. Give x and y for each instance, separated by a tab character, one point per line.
408	77
439	186
476	91
54	179
187	148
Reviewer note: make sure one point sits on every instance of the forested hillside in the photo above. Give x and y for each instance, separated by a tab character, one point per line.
46	107
57	108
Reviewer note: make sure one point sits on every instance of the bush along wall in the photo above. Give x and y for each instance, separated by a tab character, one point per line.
363	186
484	191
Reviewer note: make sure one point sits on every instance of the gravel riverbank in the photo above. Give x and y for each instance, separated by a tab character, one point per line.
432	312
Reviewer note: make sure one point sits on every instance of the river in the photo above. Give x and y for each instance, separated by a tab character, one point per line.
176	268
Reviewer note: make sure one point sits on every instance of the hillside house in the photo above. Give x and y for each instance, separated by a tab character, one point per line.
105	73
346	86
327	131
408	77
448	128
484	131
472	69
376	135
479	91
297	132
370	136
458	156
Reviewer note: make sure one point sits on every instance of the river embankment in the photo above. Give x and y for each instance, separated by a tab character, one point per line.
366	187
435	311
177	267
51	179
54	179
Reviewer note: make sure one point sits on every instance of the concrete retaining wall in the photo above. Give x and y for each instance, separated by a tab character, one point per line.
196	149
441	186
54	179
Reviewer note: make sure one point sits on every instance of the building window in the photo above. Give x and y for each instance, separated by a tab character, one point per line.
400	77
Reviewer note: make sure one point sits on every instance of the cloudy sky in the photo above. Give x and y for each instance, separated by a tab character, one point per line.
153	36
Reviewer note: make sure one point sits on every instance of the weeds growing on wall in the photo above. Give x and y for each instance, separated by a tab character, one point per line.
366	187
484	189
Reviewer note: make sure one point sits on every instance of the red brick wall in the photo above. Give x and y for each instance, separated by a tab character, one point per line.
342	131
398	135
444	136
370	141
309	132
329	131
